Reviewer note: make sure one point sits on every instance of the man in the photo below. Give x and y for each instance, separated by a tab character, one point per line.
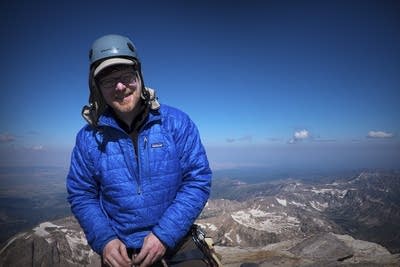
139	174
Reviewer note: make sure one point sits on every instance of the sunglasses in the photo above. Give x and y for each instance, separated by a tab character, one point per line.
111	82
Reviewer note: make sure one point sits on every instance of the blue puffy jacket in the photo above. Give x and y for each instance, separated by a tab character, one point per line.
113	194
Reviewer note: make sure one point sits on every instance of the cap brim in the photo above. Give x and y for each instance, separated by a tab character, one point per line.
110	62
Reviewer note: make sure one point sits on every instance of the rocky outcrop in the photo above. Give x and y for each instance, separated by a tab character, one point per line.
318	250
62	243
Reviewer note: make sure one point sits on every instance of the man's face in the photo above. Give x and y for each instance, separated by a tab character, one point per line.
121	88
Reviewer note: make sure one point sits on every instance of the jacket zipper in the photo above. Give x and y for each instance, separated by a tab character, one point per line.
139	161
132	170
145	142
146	153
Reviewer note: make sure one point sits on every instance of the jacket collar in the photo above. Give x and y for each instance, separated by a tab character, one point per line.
108	118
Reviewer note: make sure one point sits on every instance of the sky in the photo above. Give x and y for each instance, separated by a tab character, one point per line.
270	84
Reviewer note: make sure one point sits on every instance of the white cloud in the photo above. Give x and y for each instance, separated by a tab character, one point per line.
379	134
299	135
302	134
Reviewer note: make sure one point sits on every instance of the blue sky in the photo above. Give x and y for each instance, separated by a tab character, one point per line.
269	83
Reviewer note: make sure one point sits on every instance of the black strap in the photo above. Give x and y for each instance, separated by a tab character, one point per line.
198	236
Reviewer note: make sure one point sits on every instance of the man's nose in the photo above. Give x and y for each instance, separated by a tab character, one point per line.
120	86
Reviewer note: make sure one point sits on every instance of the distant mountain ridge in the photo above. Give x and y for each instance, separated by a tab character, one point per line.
290	223
366	206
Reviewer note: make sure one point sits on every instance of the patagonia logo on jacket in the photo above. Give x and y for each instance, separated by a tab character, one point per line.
157	145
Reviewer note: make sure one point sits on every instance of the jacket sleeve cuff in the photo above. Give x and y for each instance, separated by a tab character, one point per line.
100	248
165	238
161	240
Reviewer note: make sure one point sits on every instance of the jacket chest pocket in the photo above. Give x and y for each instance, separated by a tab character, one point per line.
162	157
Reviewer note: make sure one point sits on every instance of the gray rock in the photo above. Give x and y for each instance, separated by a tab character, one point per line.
328	250
323	247
60	244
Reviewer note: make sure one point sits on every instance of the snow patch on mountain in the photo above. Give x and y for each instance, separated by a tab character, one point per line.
227	236
75	240
274	222
319	206
238	240
331	191
301	205
41	229
283	202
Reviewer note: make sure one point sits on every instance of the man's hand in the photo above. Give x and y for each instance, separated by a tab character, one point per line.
115	255
152	251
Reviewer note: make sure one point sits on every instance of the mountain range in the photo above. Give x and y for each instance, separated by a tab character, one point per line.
366	206
341	221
